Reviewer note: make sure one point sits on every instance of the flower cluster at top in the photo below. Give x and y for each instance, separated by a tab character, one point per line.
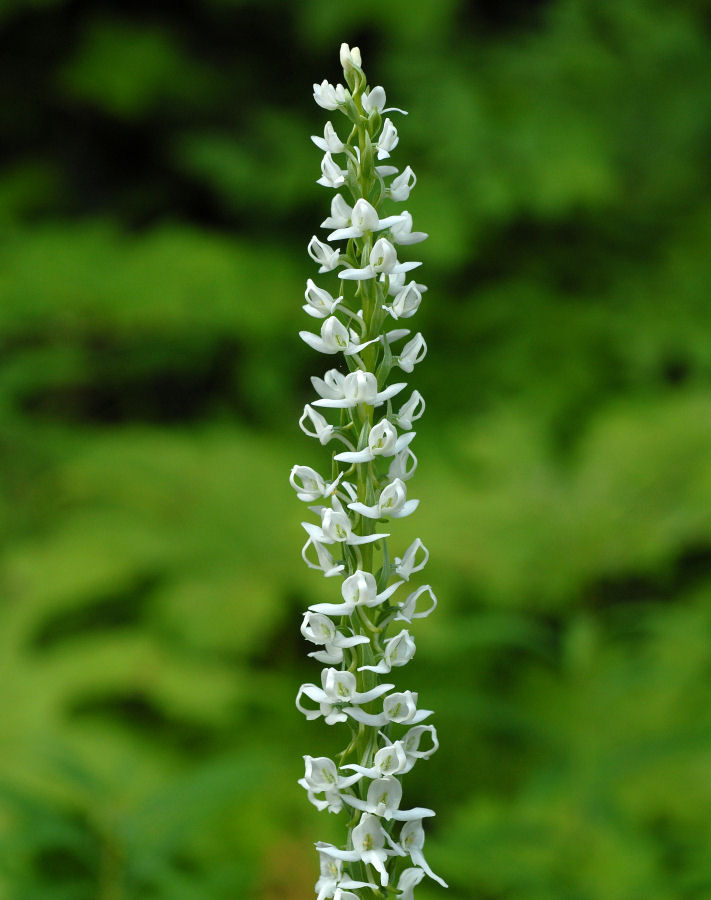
369	416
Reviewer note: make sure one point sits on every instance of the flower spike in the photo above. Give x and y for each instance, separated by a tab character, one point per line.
358	637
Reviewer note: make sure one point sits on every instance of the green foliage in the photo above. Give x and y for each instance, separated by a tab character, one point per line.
156	202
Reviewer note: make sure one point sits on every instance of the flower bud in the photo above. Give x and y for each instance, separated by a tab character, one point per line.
350	57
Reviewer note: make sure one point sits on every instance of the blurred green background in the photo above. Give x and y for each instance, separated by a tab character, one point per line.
156	198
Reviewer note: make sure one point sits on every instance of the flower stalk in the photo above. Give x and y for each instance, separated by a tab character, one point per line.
360	637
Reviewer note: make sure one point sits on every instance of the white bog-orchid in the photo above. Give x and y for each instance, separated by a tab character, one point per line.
406	303
388	139
335	337
356	388
321	777
389	760
401	186
392	503
381	260
412	840
363	219
383	440
401	230
332	175
359	589
325	256
369	839
319	303
399	650
319	629
358	637
337	695
408	564
329	97
330	142
333	884
383	800
412	353
408	609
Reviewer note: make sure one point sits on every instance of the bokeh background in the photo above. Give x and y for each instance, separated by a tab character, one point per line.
156	198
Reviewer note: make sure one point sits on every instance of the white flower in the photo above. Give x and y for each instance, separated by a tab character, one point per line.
409	880
411	744
309	485
383	440
331	385
396	283
321	253
406	302
402	708
383	258
399	708
410	411
322	430
364	218
392	502
328	96
340	214
401	186
320	629
399	650
359	589
321	777
325	561
332	175
401	231
336	527
319	303
330	142
388	140
332	882
403	465
350	58
399	757
407	564
335	338
368	845
390	760
408	608
374	101
336	696
412	353
383	800
358	387
412	840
